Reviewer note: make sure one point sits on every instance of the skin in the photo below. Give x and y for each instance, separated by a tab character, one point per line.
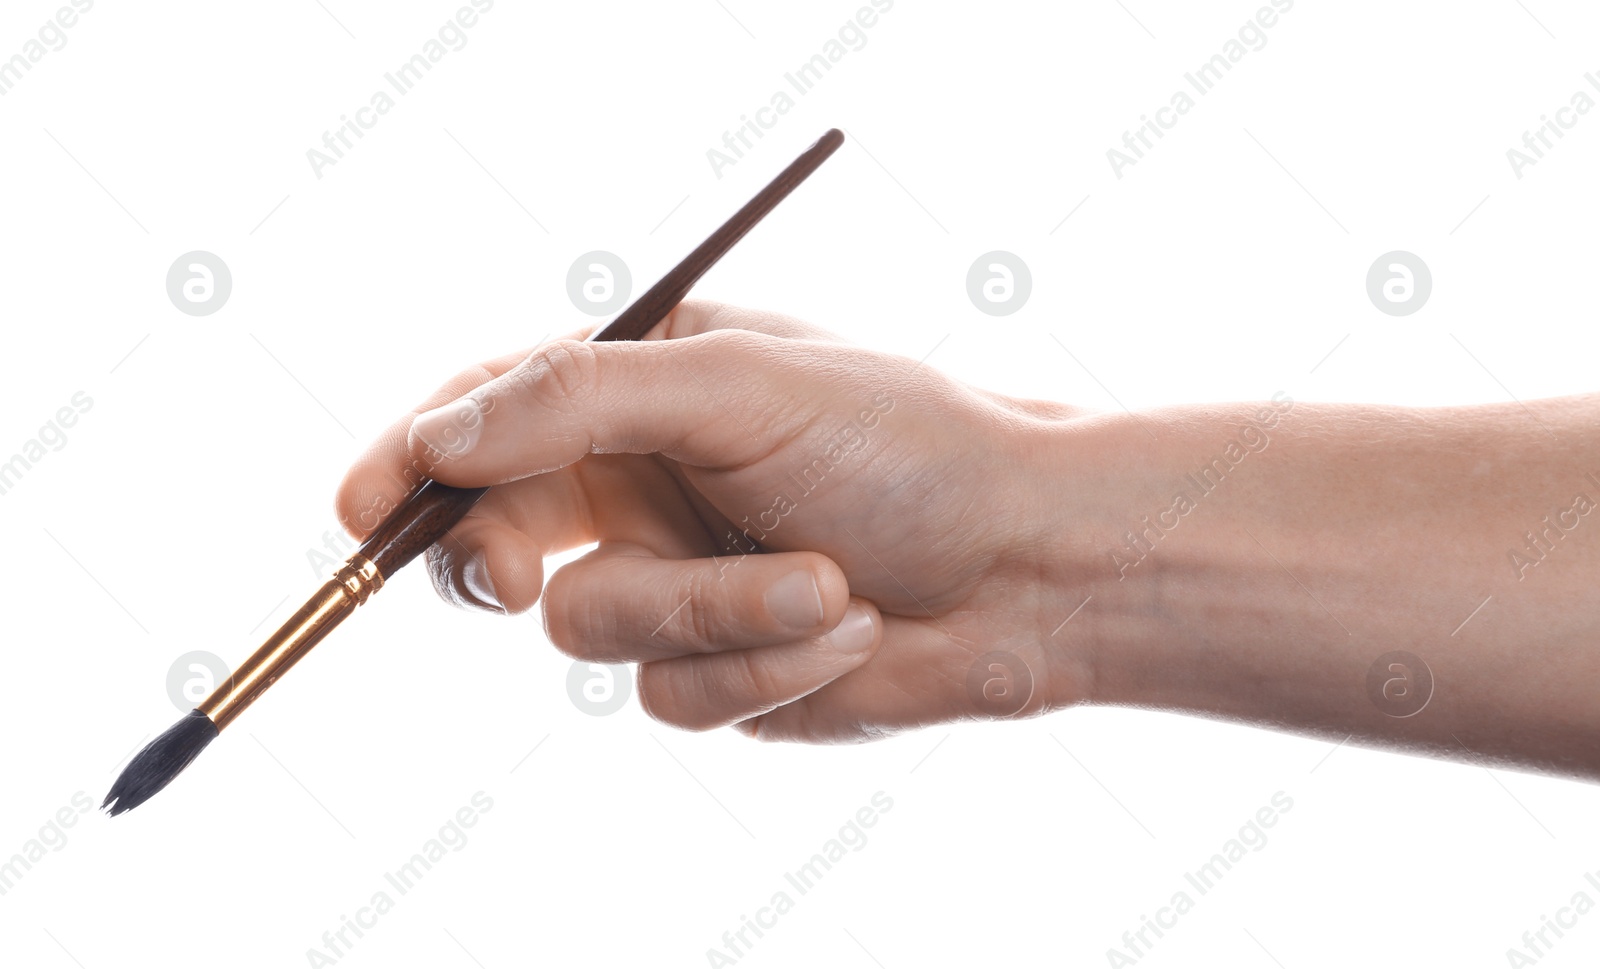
962	523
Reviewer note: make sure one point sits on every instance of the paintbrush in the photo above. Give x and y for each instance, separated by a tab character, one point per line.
410	529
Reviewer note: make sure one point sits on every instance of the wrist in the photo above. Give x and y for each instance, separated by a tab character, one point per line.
1152	523
1281	590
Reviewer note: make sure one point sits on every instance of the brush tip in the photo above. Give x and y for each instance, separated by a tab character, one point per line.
159	762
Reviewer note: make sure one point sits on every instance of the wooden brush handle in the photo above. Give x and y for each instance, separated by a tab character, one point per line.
433	510
422	520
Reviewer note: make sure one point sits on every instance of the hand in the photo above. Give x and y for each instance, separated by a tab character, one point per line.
811	541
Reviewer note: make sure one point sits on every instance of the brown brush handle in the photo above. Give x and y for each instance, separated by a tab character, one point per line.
434	509
420	521
651	308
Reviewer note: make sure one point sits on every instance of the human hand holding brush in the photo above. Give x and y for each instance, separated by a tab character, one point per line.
797	536
975	556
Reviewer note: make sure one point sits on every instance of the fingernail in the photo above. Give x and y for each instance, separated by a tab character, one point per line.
475	576
854	632
795	601
452	430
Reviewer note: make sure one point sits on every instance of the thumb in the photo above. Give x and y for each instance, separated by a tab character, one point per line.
717	399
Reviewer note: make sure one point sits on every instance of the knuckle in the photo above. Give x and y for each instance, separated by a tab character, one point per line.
697	625
558	373
663	705
732	342
752	679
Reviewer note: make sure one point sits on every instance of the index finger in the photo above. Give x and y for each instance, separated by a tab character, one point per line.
386	473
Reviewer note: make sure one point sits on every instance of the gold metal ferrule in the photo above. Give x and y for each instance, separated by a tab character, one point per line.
355	581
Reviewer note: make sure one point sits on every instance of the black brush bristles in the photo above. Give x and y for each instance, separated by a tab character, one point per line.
160	761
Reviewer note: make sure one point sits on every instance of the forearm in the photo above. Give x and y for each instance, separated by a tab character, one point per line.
1266	588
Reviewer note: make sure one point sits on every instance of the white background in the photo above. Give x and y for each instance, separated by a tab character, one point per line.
1226	265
